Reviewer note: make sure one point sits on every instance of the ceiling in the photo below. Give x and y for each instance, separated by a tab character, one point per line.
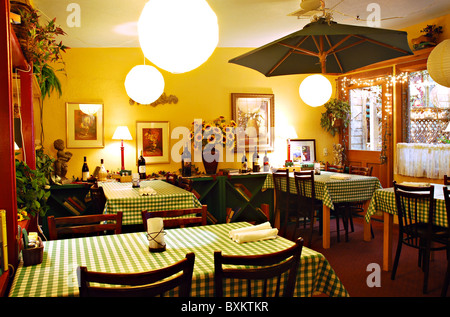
242	23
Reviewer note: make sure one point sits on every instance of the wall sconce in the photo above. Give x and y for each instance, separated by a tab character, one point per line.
144	84
90	108
178	35
122	133
315	90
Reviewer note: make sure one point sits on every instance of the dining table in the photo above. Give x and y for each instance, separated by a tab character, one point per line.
332	188
151	195
383	201
56	276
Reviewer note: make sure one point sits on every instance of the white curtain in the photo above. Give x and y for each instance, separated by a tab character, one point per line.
423	160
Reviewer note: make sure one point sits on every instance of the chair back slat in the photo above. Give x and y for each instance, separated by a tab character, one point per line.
360	170
334	168
175	218
259	267
151	283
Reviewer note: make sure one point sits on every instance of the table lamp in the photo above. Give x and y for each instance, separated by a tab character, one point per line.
122	133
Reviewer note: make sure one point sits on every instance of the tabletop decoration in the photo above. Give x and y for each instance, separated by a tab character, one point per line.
155	234
146	191
259	232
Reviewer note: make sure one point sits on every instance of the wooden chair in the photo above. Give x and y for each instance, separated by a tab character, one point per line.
86	225
151	283
284	200
98	198
308	207
263	267
334	168
358	207
174	218
446	180
412	231
445	239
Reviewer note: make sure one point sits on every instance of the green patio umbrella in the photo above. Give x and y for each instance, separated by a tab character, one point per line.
325	46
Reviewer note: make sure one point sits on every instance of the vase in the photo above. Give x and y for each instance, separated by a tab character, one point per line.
210	163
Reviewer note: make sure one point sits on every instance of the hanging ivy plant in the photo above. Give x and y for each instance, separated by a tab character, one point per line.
336	116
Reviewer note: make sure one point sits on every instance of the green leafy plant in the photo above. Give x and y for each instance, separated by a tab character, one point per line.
335	110
32	186
41	48
431	31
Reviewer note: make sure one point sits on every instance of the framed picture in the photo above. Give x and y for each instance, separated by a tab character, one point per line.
302	151
84	128
153	140
254	117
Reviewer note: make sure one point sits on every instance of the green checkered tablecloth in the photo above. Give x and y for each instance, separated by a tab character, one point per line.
330	191
123	197
56	275
383	200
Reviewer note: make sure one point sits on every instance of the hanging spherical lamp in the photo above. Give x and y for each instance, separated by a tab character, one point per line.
315	90
178	35
144	84
438	64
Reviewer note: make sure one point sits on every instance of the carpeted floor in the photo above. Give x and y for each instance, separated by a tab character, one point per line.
351	259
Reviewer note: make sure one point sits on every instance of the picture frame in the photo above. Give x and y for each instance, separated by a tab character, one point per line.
254	116
301	150
152	138
84	130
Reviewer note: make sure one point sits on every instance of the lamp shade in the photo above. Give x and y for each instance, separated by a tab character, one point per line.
315	90
144	84
122	133
438	64
178	35
90	108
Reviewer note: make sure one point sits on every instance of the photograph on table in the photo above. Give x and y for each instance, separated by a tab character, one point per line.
301	150
254	117
84	125
153	140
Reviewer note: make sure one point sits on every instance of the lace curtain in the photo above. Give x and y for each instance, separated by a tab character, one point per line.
423	160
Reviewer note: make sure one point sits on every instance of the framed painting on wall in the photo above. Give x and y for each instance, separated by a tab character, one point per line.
84	128
302	150
153	140
254	117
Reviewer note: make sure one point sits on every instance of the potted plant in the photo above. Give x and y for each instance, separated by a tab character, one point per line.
38	40
429	38
336	116
206	136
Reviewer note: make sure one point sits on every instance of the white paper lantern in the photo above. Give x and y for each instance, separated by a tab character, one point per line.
178	35
315	90
144	84
438	64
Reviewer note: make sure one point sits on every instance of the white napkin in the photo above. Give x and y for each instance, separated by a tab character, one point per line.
155	230
259	232
147	191
340	176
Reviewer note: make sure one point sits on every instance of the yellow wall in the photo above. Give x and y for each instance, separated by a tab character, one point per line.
97	75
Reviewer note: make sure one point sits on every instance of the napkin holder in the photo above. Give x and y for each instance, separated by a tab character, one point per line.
34	255
155	235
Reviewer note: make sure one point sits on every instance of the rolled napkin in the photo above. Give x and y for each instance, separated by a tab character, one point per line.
155	230
259	232
340	176
147	191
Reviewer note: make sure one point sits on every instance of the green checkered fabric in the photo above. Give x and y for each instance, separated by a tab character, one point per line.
123	197
383	200
56	275
330	191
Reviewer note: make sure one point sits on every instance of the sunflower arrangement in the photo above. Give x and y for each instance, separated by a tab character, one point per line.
210	132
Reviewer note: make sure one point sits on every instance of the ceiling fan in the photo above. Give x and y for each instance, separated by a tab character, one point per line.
308	8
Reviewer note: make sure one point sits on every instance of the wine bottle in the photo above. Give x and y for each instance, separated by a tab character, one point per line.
85	171
255	161
141	167
102	173
244	164
186	165
266	166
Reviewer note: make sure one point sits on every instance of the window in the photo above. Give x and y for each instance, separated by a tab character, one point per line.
366	118
426	109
